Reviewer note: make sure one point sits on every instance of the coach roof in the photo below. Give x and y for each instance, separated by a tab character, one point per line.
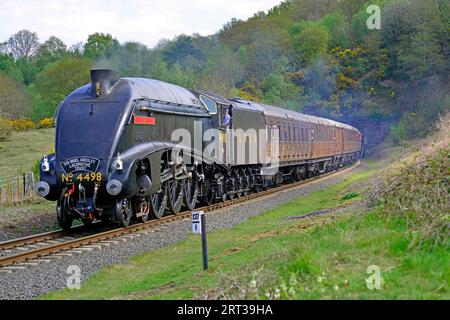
274	111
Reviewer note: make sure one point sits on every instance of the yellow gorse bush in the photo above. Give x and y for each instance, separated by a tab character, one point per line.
21	124
45	123
26	124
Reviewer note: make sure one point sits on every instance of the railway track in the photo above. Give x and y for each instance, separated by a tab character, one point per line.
18	253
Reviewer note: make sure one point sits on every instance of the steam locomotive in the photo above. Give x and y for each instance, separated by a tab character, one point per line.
134	148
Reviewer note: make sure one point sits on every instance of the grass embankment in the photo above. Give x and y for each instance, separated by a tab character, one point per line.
417	189
18	155
272	256
22	149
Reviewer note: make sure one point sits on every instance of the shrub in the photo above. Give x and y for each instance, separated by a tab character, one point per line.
35	169
417	189
349	196
5	129
39	108
22	124
421	123
45	123
398	132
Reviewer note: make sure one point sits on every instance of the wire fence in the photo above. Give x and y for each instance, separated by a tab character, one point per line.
17	189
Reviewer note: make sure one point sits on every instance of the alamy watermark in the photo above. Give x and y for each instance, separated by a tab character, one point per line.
374	21
374	281
231	145
74	279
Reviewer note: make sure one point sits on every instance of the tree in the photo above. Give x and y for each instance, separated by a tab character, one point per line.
222	71
311	43
76	50
262	54
159	70
100	45
4	47
60	78
14	100
182	77
175	74
23	44
27	69
395	24
318	83
338	28
53	46
129	59
51	50
183	50
313	9
8	66
420	55
240	33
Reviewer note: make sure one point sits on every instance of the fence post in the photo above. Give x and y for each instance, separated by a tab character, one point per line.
14	189
9	183
31	186
24	185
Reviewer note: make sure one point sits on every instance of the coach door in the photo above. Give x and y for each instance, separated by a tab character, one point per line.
310	141
339	140
274	145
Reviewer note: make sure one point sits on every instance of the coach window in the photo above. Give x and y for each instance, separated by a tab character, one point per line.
209	104
291	132
288	131
286	126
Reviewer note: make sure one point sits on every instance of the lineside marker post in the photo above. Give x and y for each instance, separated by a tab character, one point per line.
199	227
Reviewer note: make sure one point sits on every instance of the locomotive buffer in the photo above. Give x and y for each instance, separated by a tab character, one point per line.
199	227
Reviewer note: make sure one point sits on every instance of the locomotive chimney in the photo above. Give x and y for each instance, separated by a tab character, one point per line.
102	80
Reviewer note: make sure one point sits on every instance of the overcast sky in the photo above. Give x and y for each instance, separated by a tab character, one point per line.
146	21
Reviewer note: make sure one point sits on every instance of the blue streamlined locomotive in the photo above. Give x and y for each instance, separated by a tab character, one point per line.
117	159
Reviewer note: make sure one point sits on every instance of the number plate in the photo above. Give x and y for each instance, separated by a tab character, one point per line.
82	177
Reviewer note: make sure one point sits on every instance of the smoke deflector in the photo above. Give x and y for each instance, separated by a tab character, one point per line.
102	81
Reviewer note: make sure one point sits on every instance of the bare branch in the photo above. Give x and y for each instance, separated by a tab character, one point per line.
23	44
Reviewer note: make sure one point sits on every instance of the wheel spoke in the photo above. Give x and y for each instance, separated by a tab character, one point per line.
190	193
176	192
158	203
123	212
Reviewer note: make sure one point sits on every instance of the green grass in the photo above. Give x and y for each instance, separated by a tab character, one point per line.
18	154
329	261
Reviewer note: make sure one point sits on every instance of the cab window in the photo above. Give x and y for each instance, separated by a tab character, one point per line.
209	104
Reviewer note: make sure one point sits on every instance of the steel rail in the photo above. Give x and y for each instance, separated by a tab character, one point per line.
106	235
50	235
